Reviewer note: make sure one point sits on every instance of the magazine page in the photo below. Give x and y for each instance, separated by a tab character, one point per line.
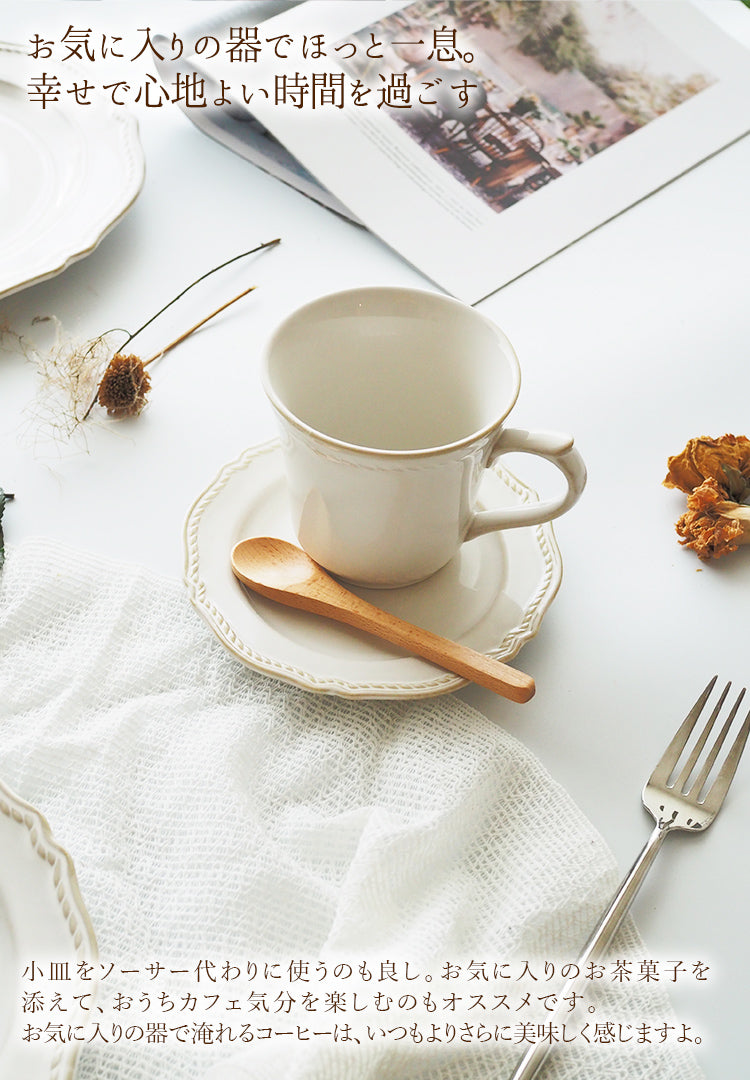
230	122
478	138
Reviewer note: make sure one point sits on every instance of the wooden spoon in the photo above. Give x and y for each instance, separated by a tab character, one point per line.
283	572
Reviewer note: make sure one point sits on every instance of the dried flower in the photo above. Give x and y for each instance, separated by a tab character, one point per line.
715	474
706	457
67	377
77	376
124	386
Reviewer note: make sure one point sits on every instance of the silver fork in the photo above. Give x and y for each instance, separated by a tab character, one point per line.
684	803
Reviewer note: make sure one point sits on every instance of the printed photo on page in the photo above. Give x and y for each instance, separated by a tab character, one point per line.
477	139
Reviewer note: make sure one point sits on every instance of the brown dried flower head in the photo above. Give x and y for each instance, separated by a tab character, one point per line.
706	457
715	474
124	387
713	525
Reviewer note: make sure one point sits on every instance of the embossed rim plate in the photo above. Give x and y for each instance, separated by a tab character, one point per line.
492	596
68	174
42	918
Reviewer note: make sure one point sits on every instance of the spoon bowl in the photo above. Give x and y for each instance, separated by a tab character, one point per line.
283	572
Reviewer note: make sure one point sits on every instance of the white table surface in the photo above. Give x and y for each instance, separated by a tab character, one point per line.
634	339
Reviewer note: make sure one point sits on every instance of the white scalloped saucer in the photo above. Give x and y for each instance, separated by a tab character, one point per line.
42	920
492	596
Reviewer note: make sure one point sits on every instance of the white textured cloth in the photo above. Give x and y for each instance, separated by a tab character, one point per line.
212	812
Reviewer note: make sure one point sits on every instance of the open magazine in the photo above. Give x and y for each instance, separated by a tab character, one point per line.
234	125
475	137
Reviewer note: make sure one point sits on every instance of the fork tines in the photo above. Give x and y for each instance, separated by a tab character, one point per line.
665	771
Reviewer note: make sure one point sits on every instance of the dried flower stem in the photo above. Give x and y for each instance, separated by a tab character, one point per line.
268	243
129	338
197	326
134	372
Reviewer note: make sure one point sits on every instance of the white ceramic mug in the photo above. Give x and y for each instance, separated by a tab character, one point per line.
391	403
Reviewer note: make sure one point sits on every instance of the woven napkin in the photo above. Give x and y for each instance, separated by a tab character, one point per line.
214	813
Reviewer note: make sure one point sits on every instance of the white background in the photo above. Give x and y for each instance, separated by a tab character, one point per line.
635	339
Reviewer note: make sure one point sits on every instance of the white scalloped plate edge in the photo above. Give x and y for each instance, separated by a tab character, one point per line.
67	897
65	251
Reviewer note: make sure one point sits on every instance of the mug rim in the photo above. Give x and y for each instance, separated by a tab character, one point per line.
317	435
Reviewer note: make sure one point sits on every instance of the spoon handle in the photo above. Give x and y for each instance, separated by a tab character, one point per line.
347	607
460	659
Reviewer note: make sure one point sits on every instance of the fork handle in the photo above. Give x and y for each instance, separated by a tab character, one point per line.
597	943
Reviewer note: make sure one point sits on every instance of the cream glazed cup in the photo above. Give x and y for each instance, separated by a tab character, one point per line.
391	402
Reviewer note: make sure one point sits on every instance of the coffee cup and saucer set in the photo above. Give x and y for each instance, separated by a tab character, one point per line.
391	405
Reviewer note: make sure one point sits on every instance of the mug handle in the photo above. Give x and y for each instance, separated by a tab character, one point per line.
556	448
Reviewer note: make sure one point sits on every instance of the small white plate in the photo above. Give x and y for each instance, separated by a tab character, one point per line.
68	174
42	921
492	596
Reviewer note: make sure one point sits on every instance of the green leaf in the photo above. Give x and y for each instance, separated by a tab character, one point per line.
3	500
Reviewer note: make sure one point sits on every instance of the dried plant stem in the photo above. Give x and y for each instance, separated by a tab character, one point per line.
182	337
197	326
129	338
268	243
